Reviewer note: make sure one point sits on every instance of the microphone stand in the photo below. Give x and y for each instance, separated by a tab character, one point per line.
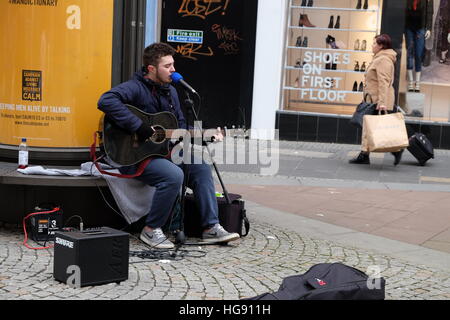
180	237
190	103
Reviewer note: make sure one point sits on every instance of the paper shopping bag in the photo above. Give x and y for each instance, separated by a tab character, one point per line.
384	133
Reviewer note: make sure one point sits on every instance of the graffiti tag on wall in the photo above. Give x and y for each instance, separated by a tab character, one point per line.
202	8
189	50
229	38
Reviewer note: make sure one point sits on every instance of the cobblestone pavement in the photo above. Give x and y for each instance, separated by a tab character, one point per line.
248	267
272	251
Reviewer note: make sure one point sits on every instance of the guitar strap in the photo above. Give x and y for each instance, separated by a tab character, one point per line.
139	171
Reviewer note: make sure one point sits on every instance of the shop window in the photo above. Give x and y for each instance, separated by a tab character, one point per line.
425	66
329	47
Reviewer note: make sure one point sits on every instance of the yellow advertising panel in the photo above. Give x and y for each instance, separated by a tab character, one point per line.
55	62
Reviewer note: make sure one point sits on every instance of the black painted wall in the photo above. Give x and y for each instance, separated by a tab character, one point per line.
393	24
220	69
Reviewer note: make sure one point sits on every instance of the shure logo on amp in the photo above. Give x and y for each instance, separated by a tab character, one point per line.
65	243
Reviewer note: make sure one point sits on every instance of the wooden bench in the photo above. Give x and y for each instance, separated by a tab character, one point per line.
83	196
10	176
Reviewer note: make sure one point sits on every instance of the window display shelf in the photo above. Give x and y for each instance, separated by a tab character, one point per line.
326	70
328	89
331	29
334	9
330	50
328	34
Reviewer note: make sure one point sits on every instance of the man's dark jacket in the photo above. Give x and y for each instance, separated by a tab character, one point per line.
143	94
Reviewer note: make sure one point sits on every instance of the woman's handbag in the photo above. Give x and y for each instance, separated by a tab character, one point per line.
361	110
384	133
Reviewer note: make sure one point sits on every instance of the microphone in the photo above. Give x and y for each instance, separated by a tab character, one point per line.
178	78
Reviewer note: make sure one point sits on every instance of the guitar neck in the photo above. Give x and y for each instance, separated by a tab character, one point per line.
175	134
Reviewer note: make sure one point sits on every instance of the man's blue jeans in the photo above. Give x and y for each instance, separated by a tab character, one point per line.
167	178
415	45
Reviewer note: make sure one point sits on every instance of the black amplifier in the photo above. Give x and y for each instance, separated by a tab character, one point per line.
90	257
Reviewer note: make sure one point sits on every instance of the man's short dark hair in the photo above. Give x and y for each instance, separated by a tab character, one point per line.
154	52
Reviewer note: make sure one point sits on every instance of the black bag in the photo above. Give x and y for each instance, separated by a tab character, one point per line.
232	216
174	223
329	281
361	110
421	148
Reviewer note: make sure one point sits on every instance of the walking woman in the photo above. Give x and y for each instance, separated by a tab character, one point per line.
378	83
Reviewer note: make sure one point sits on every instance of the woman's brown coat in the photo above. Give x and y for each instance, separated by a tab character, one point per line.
379	78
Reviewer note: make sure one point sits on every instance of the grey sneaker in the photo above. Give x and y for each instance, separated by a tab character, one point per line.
156	239
219	234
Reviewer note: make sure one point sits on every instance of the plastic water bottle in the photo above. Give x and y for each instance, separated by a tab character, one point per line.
23	154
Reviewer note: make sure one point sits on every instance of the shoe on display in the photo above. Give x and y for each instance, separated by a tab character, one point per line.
355	86
358	6
333	83
298	43
331	23
304	21
333	66
356	44
366	5
361	87
303	3
363	67
357	66
310	3
418	76
329	40
305	42
410	78
363	45
338	23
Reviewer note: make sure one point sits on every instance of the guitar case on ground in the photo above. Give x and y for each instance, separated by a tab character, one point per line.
328	281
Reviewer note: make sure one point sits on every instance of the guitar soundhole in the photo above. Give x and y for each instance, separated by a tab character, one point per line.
159	136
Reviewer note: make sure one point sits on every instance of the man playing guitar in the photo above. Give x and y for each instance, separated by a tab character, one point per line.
151	91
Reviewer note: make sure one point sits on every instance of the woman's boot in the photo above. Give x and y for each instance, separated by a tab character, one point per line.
411	87
417	86
362	158
398	156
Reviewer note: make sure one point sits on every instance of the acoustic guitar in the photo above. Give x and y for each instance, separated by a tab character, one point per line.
125	148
